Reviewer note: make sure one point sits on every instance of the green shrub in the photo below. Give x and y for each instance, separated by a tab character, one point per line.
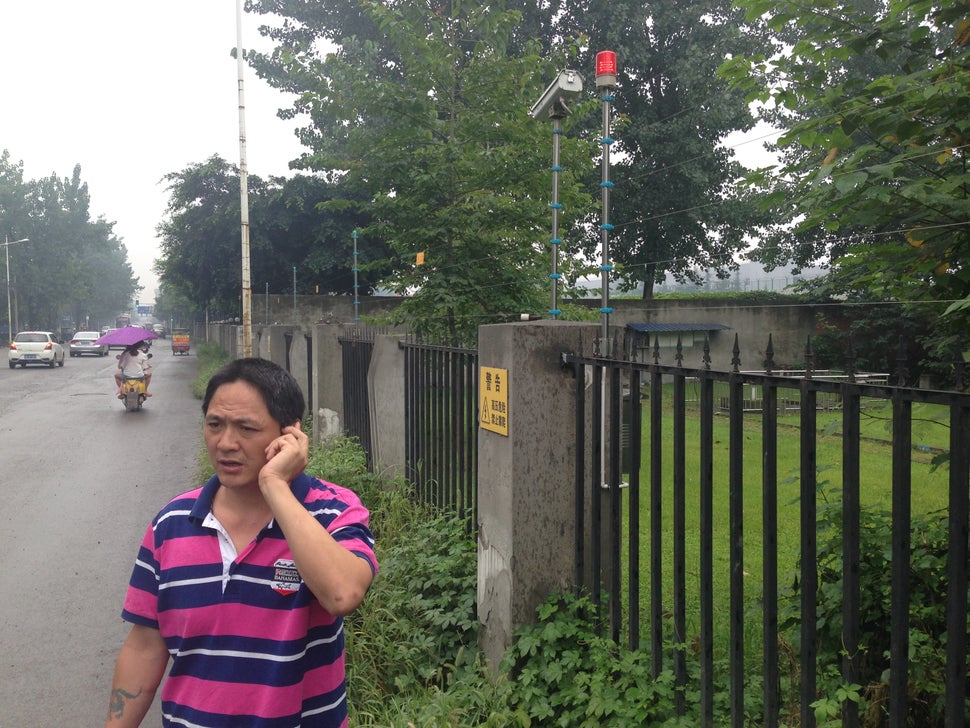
418	627
561	673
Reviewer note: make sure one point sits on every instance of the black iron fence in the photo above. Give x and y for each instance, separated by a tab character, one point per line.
356	350
727	570
441	425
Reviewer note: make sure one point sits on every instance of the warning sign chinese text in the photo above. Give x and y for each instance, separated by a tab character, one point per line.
494	389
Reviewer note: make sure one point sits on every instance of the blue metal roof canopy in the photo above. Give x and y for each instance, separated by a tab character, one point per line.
675	328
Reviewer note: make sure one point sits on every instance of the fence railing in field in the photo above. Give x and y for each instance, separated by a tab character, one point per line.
677	470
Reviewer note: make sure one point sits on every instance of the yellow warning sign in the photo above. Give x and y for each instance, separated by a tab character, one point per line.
493	386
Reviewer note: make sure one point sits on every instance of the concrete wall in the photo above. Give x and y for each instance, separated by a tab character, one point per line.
312	310
789	325
325	319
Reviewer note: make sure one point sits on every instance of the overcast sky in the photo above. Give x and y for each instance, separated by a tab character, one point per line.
132	90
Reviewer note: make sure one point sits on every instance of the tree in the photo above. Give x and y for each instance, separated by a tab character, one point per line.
676	208
422	112
73	268
874	169
290	227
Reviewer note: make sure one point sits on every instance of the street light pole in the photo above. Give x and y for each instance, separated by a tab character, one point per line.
6	249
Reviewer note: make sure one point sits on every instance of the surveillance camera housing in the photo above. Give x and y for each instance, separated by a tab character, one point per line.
552	104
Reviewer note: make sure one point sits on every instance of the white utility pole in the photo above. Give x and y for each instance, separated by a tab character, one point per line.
247	291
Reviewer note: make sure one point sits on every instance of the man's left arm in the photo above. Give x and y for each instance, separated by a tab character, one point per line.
338	578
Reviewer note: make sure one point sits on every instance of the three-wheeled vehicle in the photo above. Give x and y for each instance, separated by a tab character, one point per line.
180	342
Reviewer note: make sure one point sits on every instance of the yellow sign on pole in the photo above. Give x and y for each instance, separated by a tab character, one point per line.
493	385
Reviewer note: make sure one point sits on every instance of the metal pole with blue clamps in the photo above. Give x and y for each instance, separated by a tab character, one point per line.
552	105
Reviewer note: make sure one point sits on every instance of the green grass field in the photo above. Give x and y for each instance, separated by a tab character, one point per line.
930	432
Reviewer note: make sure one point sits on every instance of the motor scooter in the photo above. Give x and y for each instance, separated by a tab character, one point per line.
133	392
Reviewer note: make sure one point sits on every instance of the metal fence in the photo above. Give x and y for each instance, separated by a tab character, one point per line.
687	473
441	426
356	350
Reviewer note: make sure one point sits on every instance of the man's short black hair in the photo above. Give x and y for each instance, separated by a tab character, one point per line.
279	389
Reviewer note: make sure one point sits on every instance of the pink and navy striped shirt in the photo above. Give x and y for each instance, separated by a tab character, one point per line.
250	644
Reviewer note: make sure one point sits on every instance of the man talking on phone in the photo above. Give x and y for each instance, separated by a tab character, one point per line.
242	584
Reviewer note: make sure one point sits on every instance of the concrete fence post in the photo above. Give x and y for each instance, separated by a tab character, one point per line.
526	479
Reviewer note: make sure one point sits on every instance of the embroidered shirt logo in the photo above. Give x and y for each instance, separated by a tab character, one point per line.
286	579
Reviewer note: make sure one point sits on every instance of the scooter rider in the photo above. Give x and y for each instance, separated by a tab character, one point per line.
133	364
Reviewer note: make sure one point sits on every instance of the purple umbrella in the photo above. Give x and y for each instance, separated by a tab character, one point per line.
126	336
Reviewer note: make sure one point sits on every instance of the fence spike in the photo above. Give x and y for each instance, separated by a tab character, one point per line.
809	358
707	352
902	371
680	351
631	345
850	358
959	369
736	356
656	349
769	356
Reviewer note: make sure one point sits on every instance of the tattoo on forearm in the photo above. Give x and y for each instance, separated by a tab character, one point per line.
119	698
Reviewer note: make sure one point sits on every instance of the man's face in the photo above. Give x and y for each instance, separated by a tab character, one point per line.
237	430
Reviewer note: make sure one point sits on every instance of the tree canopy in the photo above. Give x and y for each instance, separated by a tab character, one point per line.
201	250
74	269
873	176
424	106
677	209
422	112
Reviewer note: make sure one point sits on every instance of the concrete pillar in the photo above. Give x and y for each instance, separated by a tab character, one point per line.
526	480
272	344
298	360
385	390
327	397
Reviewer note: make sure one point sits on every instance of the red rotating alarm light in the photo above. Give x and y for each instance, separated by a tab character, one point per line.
605	69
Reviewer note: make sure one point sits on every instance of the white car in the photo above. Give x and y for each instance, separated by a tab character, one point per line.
35	347
83	343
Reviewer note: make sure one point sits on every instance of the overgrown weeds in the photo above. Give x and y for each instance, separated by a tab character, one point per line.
211	356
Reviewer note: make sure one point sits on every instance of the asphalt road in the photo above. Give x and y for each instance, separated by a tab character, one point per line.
80	480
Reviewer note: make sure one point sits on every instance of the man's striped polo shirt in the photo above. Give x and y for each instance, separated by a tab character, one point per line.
250	644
